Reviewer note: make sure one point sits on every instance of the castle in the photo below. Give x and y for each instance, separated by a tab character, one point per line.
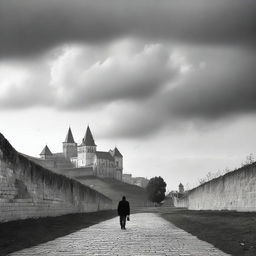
83	159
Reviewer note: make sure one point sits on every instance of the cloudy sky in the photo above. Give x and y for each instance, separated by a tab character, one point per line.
170	82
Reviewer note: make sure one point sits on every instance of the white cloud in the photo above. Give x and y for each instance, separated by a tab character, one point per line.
141	87
83	79
180	61
79	76
10	78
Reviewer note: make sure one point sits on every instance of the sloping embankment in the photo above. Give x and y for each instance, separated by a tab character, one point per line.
115	189
27	190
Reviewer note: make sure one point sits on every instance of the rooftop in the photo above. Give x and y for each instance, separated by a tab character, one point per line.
69	137
46	151
88	138
104	155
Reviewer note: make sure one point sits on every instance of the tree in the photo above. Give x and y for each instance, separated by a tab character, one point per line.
156	189
249	160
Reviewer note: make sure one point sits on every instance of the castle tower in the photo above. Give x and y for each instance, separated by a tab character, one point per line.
118	158
118	162
46	153
87	150
69	145
181	188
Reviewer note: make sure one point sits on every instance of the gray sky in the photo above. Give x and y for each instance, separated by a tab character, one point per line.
171	83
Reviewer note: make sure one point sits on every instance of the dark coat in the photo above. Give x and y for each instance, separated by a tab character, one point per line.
123	208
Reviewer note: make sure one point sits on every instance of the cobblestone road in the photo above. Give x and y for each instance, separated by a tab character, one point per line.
146	234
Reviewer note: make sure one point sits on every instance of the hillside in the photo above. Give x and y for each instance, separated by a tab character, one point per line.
115	189
111	188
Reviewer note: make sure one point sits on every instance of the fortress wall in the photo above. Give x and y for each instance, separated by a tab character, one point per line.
233	191
28	190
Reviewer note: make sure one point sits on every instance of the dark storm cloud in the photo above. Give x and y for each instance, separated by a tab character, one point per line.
225	87
132	76
119	53
82	77
144	87
29	27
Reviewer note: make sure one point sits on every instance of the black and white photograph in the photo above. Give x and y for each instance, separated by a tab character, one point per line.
127	127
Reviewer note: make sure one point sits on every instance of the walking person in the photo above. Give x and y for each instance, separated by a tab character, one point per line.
123	211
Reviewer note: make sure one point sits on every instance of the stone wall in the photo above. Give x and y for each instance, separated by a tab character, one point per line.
28	190
233	191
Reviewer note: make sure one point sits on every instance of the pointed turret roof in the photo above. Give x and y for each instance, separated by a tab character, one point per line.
46	151
117	152
69	137
88	138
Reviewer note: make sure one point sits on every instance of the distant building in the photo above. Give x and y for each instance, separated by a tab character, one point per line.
174	194
181	189
84	157
46	153
138	181
127	178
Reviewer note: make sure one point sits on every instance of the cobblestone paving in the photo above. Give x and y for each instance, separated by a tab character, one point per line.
146	234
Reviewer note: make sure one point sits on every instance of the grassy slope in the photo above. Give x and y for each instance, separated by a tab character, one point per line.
232	232
115	189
